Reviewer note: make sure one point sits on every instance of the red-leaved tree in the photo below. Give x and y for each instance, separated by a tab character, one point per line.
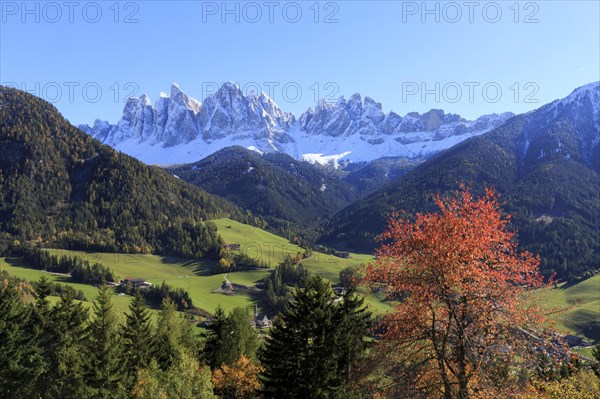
464	326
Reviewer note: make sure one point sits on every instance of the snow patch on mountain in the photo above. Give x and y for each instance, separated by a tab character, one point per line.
181	129
253	148
325	160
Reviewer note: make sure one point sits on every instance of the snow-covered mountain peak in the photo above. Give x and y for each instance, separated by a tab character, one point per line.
175	88
341	102
178	97
355	97
144	99
229	113
590	90
179	128
578	116
587	96
372	103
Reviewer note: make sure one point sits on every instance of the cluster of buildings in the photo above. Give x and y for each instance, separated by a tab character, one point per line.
135	282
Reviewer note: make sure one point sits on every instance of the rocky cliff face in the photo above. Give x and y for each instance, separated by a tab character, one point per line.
180	129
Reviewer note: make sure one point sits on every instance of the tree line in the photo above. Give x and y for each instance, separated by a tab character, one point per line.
61	187
60	350
80	270
464	325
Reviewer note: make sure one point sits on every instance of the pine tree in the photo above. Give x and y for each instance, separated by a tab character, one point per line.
65	376
167	335
311	346
138	339
188	339
596	355
42	329
240	338
105	365
43	289
59	332
214	341
230	338
19	356
353	322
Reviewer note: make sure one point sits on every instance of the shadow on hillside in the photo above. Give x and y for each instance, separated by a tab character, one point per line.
591	329
18	262
569	284
199	267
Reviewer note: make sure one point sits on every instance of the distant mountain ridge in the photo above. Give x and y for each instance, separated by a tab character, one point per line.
180	129
545	164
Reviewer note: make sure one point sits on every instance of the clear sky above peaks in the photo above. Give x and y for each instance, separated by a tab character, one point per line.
469	58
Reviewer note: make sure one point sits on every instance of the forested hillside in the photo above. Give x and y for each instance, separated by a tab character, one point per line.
293	196
545	164
61	187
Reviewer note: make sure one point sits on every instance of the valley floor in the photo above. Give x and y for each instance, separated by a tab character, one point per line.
581	303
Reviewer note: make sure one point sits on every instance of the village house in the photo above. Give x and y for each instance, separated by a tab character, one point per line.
260	320
135	282
232	247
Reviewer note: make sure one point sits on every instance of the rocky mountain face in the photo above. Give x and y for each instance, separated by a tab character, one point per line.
179	119
367	118
180	129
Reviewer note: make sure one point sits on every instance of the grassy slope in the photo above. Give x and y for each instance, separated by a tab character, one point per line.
190	275
256	243
582	304
193	275
582	300
16	268
273	249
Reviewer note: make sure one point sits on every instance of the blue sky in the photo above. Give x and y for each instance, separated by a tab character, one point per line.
469	58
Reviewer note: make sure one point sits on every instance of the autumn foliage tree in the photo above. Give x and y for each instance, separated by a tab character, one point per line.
237	382
463	321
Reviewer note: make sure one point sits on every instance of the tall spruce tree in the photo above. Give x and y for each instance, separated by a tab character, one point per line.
353	322
239	338
105	360
214	339
230	337
138	338
19	355
43	289
311	346
168	332
42	329
64	350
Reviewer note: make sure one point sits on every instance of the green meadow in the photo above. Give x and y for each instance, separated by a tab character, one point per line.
273	249
194	276
580	302
257	243
15	268
578	305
